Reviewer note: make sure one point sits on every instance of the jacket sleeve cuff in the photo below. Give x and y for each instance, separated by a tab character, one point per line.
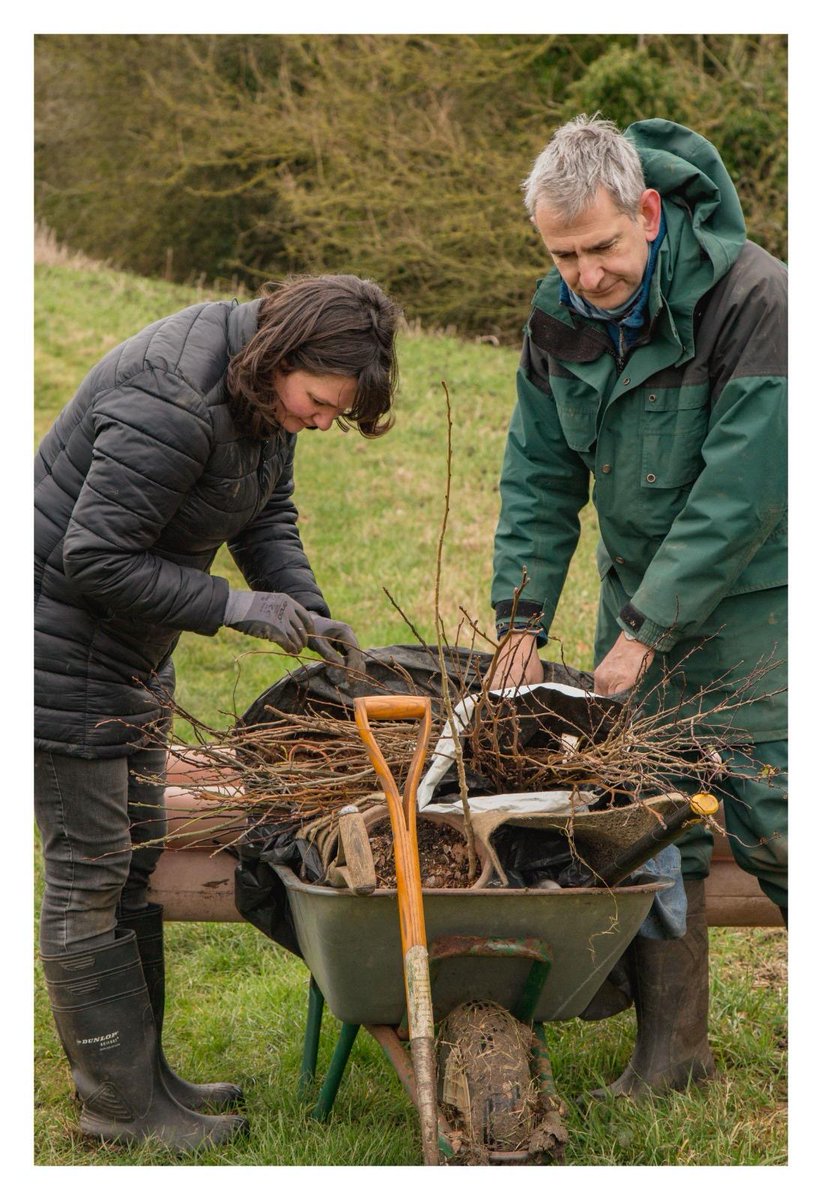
643	629
528	619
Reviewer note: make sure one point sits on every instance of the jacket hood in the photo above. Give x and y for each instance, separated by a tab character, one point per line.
687	171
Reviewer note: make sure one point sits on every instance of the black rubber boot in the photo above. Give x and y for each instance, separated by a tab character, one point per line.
669	980
147	924
103	1015
614	995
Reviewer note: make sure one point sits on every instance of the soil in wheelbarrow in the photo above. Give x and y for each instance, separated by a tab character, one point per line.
443	855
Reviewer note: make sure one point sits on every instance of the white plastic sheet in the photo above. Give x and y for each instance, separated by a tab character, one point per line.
445	753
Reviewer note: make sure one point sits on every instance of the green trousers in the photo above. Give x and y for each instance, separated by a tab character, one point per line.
756	819
743	631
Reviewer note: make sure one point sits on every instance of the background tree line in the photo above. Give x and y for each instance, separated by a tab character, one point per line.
239	158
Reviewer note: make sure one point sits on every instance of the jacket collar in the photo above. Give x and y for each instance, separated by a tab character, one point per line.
242	324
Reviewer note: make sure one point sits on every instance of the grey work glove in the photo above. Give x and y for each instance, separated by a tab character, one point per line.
335	642
271	615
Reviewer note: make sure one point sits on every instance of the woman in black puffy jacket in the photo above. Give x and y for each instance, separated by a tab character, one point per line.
177	441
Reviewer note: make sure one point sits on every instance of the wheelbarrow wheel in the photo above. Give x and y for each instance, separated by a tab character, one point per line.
485	1082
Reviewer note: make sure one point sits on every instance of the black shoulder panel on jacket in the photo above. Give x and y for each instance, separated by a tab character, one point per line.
577	343
745	323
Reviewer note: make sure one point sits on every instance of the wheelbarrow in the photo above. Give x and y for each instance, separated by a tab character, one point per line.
398	961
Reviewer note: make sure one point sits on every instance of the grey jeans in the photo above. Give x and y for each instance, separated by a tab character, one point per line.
95	816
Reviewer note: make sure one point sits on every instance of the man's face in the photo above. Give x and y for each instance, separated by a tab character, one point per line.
602	253
306	401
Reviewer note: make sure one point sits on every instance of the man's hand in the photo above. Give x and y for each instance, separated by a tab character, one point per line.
622	667
518	663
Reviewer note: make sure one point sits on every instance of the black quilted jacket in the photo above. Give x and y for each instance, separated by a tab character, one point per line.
140	480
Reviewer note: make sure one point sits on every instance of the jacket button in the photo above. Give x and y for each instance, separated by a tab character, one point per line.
618	558
606	468
651	478
626	380
652	398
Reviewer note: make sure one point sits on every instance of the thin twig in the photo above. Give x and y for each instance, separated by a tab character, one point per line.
446	695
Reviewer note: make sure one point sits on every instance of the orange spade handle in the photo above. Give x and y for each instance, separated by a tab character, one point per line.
402	810
403	814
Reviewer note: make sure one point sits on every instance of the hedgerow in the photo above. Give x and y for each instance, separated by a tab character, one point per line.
238	158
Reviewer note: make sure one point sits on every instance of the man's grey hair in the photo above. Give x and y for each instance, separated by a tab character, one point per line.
584	155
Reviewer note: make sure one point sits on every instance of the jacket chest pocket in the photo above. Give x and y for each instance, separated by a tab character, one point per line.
674	427
577	414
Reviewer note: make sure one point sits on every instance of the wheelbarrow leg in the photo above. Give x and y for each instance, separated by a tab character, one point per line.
331	1085
311	1042
542	1063
531	992
400	1060
553	1105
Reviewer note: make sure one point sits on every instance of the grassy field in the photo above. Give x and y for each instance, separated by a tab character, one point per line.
370	518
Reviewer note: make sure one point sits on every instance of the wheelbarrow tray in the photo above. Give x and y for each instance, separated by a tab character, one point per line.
351	944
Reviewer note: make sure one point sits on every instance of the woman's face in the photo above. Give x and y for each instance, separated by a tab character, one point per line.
306	401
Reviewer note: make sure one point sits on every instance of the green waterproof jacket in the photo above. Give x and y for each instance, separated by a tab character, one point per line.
684	439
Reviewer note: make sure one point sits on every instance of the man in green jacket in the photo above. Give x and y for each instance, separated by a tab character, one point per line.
654	365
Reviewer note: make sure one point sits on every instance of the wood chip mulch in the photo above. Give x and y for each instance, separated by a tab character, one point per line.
443	855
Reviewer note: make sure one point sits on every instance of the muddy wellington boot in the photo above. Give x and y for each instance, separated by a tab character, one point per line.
669	980
103	1015
147	924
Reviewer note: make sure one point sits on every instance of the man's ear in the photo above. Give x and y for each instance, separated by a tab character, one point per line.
650	212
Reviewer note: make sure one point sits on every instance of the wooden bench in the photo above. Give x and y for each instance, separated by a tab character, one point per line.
196	882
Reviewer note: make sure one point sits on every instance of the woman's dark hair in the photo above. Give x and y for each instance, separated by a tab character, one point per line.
326	325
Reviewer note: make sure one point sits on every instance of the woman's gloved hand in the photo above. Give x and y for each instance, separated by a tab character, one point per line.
271	615
336	643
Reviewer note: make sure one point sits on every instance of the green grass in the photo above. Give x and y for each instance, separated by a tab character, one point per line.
370	515
236	1010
